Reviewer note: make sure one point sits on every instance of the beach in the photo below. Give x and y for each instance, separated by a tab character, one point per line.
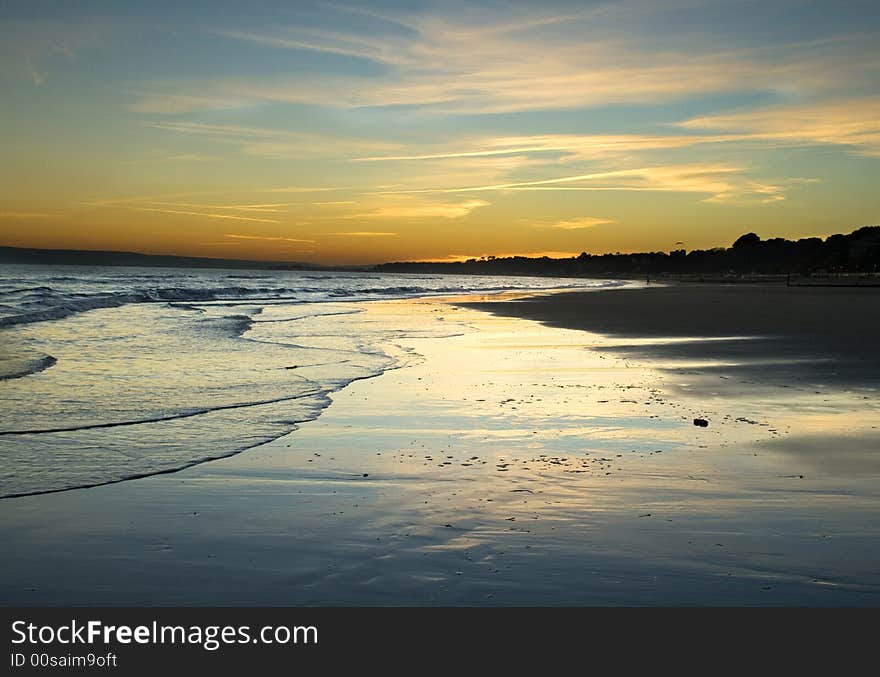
529	451
824	334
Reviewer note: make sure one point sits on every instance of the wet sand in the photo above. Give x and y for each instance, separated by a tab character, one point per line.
510	463
806	333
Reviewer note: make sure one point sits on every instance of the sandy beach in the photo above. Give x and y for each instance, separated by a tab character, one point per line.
821	334
540	453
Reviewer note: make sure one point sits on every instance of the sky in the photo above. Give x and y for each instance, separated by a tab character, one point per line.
361	132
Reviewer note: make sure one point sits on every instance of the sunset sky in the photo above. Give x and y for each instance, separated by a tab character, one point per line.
357	132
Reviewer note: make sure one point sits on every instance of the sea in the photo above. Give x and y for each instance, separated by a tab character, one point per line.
114	373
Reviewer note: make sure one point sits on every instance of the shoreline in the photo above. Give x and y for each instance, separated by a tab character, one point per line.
396	362
509	463
765	332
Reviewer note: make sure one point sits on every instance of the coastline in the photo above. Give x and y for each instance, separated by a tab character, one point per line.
509	463
763	331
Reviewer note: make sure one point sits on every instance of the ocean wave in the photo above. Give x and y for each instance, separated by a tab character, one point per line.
108	452
77	302
57	297
22	290
159	419
157	387
10	369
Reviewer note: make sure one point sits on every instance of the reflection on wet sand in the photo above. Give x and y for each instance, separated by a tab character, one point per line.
509	463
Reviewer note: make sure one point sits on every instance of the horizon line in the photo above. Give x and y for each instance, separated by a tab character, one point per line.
449	259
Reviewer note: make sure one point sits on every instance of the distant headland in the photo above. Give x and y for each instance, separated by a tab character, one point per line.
82	257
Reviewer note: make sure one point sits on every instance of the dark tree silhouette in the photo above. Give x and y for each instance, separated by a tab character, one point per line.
747	240
857	252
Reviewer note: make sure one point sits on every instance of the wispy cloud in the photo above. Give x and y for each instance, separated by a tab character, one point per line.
421	210
27	215
722	182
269	238
365	233
235	131
572	146
207	215
275	143
655	176
167	199
255	212
452	155
579	223
316	40
853	122
272	207
472	62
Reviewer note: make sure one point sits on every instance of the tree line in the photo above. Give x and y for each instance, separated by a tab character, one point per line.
853	253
